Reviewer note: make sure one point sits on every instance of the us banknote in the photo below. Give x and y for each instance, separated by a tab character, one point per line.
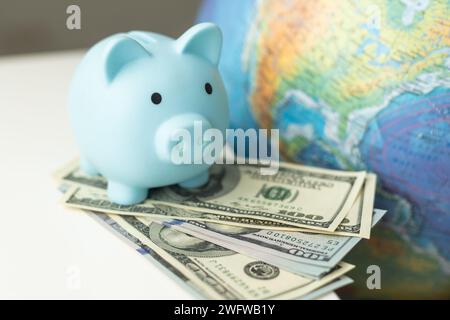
96	199
293	251
293	197
332	286
358	222
216	272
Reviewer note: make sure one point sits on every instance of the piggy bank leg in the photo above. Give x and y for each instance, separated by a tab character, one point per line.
87	167
126	195
196	181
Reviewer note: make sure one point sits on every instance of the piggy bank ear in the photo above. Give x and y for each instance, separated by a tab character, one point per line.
203	40
121	51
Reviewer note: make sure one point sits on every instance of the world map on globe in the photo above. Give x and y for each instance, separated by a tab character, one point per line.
356	85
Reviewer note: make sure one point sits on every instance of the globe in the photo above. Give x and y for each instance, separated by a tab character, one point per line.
356	85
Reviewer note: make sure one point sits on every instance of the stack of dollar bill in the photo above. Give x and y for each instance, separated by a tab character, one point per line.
243	235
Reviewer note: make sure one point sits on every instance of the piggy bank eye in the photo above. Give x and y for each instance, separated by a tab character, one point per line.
208	88
156	98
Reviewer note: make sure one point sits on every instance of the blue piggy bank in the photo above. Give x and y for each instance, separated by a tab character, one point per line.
129	97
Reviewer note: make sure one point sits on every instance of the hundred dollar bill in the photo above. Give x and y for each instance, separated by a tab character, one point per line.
306	270
332	286
96	200
293	251
300	196
216	272
196	289
358	221
294	196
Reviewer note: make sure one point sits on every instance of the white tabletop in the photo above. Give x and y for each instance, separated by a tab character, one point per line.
48	251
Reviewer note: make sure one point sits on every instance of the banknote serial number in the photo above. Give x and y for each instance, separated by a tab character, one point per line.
225	309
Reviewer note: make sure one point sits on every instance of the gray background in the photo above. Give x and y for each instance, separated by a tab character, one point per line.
40	25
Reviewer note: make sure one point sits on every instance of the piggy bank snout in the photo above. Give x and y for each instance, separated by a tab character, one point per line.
179	134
